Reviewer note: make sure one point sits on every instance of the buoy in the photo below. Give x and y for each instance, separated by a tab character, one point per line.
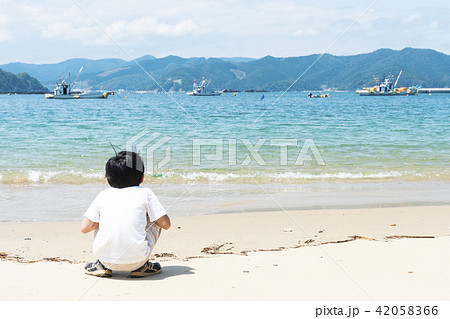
234	94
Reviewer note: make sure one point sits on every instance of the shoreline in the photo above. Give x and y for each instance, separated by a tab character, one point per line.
49	203
391	253
262	211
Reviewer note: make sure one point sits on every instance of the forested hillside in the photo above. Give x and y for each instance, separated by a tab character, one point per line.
20	83
424	67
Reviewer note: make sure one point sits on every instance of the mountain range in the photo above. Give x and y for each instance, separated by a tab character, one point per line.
424	67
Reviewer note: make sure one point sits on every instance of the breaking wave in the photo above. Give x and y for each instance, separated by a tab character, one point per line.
30	177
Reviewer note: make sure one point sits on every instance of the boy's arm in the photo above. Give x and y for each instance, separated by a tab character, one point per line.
163	222
88	225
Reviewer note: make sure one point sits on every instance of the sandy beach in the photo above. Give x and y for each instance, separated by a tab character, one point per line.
396	253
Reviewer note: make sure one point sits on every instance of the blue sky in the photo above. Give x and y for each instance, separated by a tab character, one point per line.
52	31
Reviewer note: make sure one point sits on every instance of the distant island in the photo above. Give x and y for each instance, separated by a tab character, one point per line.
423	67
20	83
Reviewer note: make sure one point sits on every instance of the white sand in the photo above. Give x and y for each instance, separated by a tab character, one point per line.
362	269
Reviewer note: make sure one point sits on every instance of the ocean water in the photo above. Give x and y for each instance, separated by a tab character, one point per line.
283	142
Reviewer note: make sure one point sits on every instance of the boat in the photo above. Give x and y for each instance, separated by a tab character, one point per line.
65	90
320	95
388	88
200	89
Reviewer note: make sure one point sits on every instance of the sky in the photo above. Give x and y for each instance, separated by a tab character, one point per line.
52	31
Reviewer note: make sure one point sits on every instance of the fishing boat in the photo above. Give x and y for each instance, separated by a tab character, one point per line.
200	89
320	95
388	88
65	90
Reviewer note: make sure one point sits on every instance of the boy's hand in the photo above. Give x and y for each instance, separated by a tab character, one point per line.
163	222
88	225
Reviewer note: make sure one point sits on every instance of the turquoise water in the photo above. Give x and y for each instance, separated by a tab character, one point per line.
377	151
358	138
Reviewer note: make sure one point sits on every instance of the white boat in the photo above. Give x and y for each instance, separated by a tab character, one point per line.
200	89
387	88
65	90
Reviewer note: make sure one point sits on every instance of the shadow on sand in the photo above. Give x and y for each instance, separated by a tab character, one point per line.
167	271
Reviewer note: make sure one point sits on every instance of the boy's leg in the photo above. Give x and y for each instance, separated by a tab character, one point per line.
153	232
149	268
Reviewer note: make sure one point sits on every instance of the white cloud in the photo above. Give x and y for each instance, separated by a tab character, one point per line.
217	27
150	25
412	18
57	30
308	32
5	35
138	29
5	21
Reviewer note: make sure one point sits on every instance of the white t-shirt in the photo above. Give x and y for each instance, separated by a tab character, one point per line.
122	217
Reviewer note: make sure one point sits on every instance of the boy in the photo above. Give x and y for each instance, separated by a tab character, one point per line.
127	220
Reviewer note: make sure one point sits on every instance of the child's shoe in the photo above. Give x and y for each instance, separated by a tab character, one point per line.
97	269
147	270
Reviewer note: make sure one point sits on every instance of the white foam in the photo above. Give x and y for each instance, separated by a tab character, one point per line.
79	177
338	175
220	177
43	177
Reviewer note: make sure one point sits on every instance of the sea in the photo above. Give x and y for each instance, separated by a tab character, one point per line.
232	153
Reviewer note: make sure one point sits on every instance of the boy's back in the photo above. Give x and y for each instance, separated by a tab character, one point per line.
127	220
122	215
